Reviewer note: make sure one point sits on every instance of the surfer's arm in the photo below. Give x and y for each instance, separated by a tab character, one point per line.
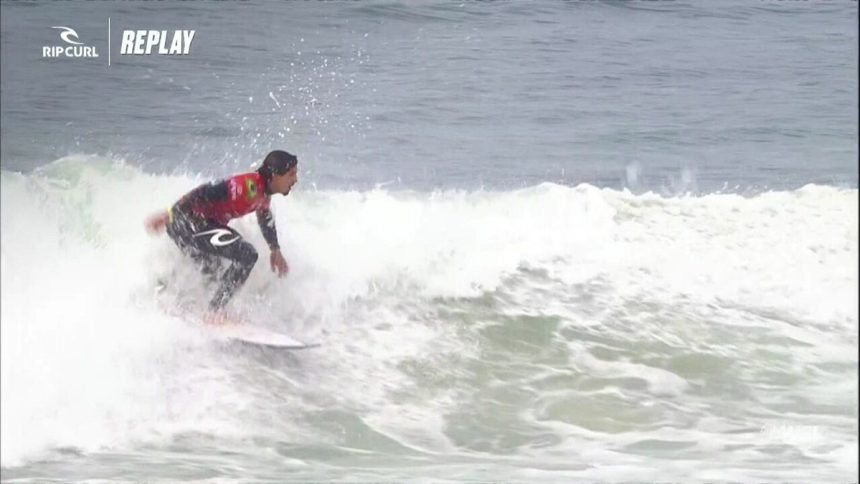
204	194
270	233
267	227
208	193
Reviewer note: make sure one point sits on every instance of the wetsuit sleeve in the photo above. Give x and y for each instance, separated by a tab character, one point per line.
267	226
204	194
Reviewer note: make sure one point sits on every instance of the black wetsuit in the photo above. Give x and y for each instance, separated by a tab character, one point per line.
198	225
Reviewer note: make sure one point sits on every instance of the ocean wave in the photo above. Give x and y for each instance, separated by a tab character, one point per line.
556	307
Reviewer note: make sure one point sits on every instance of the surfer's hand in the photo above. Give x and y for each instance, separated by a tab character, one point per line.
156	223
279	265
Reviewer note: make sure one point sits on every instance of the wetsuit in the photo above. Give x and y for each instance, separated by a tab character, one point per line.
198	225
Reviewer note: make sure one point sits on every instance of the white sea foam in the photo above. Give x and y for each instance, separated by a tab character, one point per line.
90	359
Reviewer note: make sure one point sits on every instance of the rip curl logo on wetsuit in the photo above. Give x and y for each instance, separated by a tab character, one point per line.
217	237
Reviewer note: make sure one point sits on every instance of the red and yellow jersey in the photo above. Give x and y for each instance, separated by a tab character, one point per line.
225	200
228	199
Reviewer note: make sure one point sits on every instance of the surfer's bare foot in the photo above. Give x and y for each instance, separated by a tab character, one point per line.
220	318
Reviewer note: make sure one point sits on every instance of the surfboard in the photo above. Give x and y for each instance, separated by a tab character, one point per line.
239	333
260	337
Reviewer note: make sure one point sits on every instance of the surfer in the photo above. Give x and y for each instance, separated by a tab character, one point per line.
197	223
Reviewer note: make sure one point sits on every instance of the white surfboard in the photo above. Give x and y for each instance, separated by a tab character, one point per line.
257	336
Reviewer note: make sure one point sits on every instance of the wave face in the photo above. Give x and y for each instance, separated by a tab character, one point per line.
551	332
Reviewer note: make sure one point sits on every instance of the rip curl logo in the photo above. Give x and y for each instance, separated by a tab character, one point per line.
67	33
76	48
218	235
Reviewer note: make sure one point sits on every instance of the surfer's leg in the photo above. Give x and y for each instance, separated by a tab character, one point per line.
209	243
209	265
243	256
181	230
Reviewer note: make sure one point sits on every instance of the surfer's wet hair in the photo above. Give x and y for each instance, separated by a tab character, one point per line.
277	163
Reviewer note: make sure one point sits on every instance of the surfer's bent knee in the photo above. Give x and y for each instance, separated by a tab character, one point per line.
247	255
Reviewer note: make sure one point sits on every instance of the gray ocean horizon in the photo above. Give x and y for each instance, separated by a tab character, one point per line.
674	95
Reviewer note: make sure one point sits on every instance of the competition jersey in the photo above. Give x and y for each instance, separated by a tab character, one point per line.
225	200
228	199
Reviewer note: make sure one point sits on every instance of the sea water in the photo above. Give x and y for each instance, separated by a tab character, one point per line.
545	241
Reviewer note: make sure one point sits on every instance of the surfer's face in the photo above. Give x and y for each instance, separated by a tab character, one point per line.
283	183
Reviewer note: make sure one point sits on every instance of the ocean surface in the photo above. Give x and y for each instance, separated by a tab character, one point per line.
537	242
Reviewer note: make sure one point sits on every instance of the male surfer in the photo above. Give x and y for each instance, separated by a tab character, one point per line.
197	223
